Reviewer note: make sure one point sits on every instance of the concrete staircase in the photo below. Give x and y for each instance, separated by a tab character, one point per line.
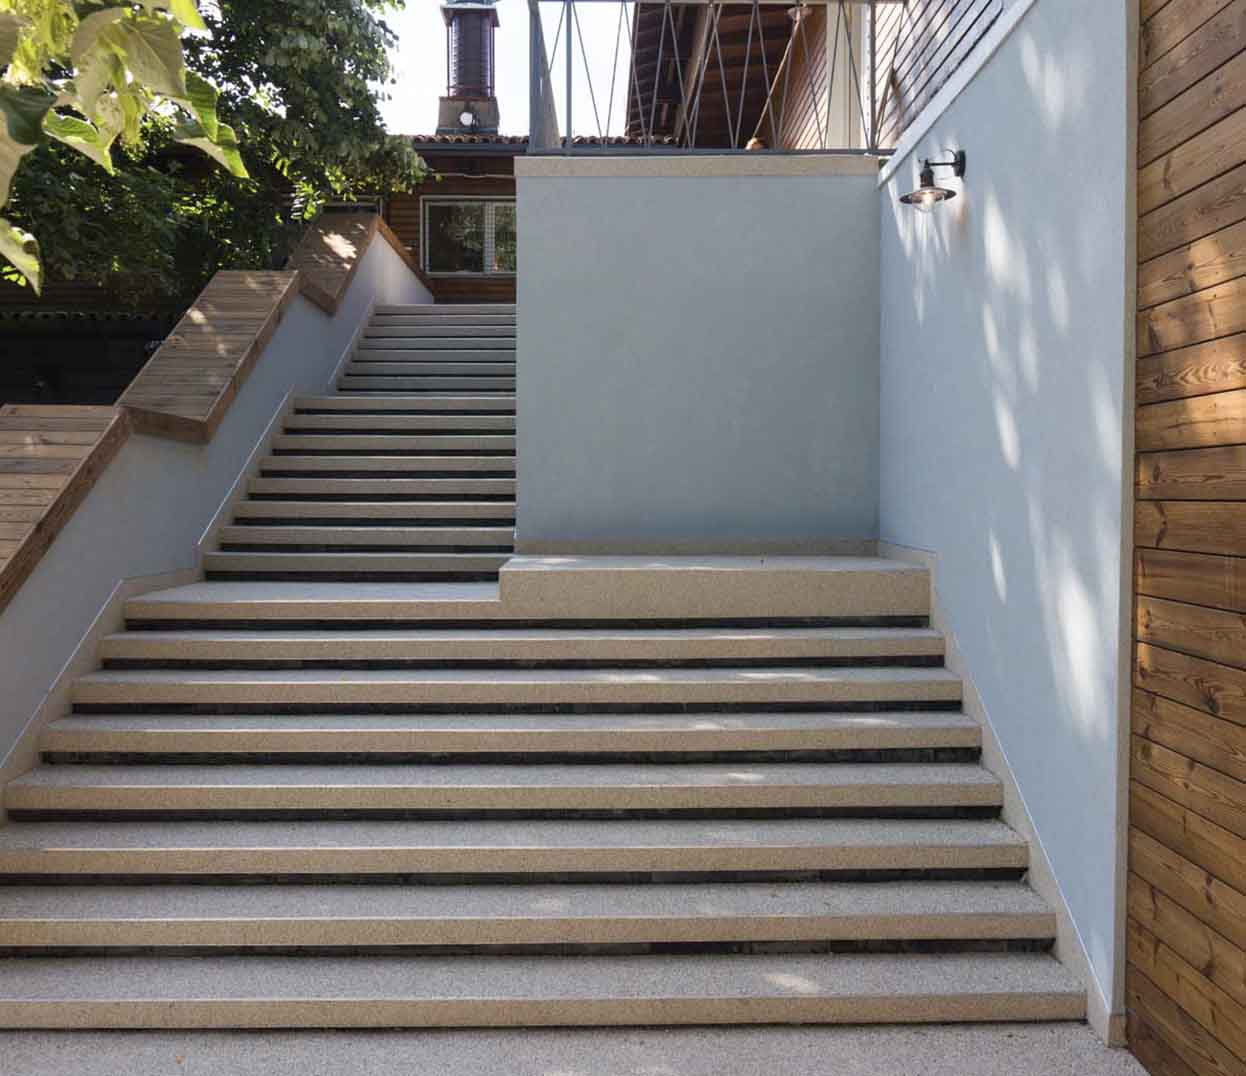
609	791
408	474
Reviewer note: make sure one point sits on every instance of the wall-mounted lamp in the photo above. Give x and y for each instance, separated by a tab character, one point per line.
929	194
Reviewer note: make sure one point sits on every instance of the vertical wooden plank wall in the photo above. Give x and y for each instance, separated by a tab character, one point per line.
1186	979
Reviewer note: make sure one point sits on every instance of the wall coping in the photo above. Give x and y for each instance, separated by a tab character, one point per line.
695	166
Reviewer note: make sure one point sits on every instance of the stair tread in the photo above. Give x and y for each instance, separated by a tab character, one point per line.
524	835
314	600
509	732
378	510
310	848
343	534
355	561
484	775
856	902
517	677
450	401
394	442
387	990
502	643
380	486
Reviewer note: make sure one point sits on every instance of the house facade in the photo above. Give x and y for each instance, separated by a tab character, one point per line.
778	564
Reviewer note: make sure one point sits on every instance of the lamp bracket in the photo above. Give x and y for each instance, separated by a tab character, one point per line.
956	164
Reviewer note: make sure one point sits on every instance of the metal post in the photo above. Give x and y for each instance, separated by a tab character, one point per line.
569	15
872	134
535	104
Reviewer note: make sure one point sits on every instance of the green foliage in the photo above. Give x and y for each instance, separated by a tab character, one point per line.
89	73
283	92
300	80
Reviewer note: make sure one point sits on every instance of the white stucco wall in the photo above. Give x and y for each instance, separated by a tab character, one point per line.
698	353
1005	422
148	510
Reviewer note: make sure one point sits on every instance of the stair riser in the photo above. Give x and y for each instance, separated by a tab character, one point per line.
333	425
473	935
362	489
583	1012
267	513
411	467
439	344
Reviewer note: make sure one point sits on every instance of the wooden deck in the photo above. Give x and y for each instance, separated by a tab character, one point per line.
1186	983
50	457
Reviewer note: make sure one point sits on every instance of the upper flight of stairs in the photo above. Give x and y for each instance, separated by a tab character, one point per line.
407	474
344	797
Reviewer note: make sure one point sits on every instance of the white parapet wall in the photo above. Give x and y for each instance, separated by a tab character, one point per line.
146	514
697	354
1006	381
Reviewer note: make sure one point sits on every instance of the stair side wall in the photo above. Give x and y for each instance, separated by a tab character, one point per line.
149	509
697	354
1006	356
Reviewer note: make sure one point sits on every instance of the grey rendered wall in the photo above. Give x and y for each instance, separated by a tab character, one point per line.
1005	419
698	358
149	508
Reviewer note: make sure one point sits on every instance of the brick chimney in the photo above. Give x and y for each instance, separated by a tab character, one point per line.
469	106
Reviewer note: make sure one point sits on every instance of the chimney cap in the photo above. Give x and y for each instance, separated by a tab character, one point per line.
449	7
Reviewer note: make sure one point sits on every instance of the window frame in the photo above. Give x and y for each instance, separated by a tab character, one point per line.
489	202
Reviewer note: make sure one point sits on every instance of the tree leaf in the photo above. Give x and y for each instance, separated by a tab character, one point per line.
22	251
22	110
223	149
85	137
151	48
11	27
87	37
201	98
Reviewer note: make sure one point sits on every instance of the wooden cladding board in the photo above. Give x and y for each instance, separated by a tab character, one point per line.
50	457
1186	980
920	46
188	384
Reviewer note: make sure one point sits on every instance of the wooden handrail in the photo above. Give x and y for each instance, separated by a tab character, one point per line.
332	250
188	384
50	457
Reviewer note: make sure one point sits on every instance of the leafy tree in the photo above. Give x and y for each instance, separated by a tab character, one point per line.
300	85
88	74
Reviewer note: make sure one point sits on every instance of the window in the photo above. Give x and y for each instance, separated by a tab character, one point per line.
469	236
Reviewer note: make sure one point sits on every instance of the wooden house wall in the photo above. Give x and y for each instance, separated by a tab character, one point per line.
1186	975
404	215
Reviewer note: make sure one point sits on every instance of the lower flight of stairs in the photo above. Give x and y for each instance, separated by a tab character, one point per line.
309	792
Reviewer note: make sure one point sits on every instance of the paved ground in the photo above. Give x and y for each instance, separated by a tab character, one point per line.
1004	1050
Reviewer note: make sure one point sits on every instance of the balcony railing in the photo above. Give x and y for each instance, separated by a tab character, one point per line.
715	76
